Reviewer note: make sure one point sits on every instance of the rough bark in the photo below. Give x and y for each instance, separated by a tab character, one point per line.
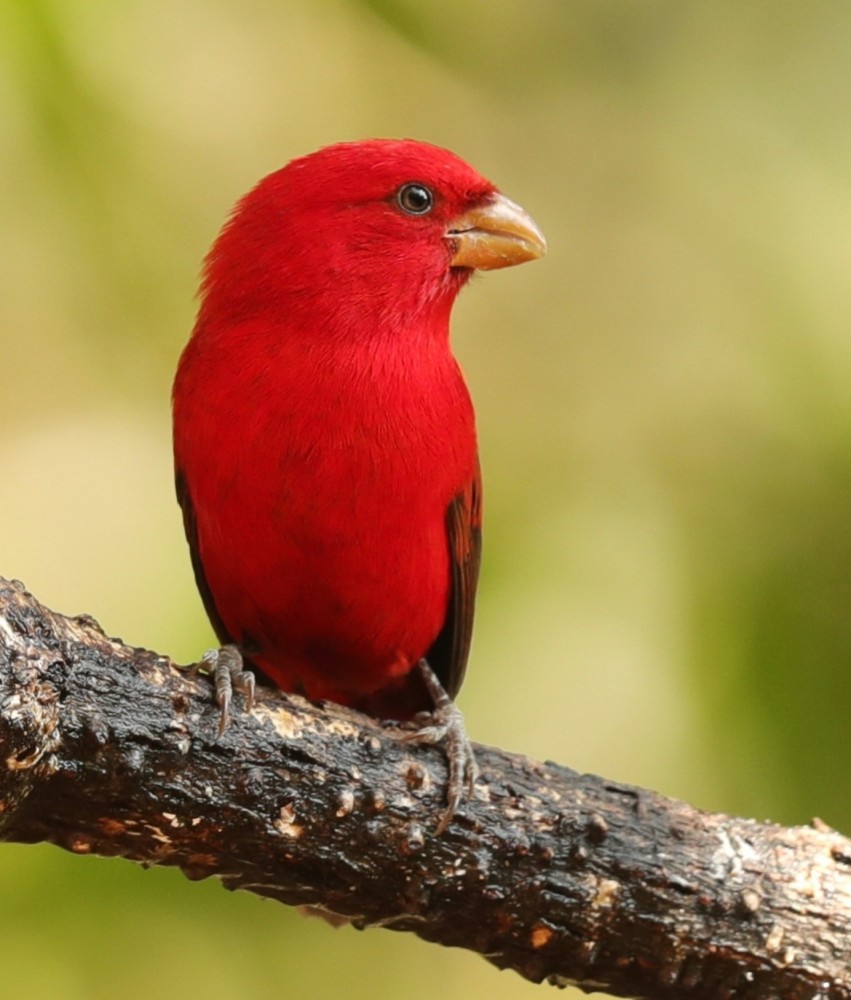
563	877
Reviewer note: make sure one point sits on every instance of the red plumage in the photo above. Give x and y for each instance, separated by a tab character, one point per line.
324	438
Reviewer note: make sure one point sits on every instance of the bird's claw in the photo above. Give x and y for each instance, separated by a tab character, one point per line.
229	675
445	725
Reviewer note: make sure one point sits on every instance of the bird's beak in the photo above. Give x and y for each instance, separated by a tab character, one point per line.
495	233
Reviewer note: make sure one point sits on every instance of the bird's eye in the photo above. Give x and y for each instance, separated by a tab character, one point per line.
415	199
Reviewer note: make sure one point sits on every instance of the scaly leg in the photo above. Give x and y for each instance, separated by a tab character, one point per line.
445	725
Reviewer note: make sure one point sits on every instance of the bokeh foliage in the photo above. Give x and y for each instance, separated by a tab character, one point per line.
663	402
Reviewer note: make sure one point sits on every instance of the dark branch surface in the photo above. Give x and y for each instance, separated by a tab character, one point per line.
111	750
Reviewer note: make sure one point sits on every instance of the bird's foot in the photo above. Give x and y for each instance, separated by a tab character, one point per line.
445	725
229	674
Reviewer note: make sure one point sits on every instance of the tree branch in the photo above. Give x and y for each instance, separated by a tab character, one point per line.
112	750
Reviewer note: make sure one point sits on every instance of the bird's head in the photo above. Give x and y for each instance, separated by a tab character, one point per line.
380	230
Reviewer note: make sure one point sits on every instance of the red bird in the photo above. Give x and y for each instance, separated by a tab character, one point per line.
324	437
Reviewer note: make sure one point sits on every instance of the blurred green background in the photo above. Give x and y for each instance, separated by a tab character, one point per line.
664	401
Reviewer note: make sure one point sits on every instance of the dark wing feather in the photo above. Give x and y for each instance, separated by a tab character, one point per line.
448	654
190	526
